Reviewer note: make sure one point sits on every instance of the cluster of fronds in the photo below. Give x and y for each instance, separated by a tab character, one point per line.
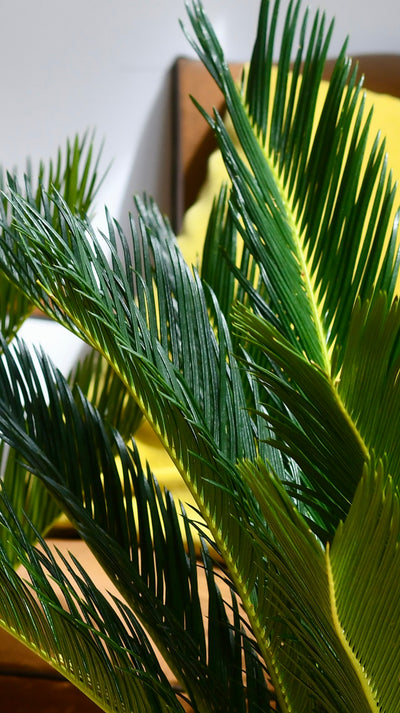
270	376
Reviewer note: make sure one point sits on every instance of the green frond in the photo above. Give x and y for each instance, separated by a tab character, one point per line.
330	603
177	400
314	428
75	175
317	218
33	505
159	331
76	629
131	527
97	380
314	210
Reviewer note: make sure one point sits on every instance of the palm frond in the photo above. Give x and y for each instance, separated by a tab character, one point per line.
153	338
117	509
97	381
33	505
327	604
321	239
327	191
100	303
94	641
75	175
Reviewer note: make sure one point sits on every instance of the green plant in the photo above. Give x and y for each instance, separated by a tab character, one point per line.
271	378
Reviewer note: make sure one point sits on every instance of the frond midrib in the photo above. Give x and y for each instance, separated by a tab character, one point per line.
307	276
341	636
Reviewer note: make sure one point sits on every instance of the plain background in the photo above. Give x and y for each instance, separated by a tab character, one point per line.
105	65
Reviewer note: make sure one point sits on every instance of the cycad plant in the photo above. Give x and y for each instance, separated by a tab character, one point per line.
270	374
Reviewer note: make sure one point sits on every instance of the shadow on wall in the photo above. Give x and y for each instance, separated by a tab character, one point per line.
152	166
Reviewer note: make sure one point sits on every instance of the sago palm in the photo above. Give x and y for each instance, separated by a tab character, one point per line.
269	372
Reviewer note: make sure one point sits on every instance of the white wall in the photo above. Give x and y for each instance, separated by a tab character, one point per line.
67	66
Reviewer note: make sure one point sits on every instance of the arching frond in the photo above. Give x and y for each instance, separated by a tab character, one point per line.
33	505
257	378
314	206
312	200
94	641
204	442
75	175
328	608
132	528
